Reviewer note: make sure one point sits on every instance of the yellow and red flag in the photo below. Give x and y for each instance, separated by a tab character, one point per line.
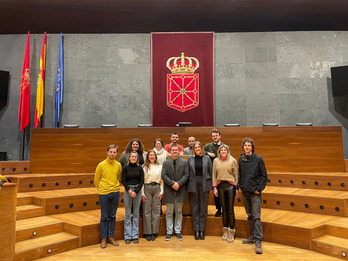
24	102
40	85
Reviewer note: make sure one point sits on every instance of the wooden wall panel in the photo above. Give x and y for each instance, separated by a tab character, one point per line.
284	149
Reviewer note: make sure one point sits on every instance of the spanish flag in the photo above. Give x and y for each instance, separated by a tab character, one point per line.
24	103
40	85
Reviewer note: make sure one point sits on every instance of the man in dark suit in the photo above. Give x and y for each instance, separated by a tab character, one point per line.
175	174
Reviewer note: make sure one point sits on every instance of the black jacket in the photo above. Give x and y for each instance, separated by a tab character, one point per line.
206	177
252	173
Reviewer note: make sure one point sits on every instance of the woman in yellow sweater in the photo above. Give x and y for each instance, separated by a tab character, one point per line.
225	179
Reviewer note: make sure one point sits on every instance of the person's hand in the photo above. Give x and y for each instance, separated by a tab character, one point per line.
256	192
160	196
216	193
212	155
143	198
132	193
175	186
237	193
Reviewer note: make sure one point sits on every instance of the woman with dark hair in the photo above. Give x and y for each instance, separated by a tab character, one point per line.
152	193
162	154
225	179
133	145
132	180
199	187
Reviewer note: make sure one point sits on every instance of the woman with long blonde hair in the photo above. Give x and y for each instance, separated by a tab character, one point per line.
199	187
225	180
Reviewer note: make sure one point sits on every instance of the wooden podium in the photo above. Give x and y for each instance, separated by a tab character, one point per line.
8	203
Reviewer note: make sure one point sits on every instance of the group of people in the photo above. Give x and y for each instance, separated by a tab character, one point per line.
161	174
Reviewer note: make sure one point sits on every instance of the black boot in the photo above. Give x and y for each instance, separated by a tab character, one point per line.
197	235
201	235
148	237
218	213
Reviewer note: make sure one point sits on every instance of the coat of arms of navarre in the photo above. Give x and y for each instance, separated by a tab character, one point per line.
182	84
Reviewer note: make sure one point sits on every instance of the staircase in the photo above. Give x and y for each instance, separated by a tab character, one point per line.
47	235
37	234
334	241
26	207
302	209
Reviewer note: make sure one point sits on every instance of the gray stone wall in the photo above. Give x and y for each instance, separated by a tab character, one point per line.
259	77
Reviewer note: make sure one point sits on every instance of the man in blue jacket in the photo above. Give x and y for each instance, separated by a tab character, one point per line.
252	181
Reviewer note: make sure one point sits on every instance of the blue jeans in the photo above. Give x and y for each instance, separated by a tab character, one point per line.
171	207
108	208
131	227
252	205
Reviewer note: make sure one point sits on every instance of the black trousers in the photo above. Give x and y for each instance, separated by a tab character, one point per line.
227	193
199	206
217	203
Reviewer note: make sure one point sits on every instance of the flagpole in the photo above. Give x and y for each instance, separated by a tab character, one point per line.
23	140
59	85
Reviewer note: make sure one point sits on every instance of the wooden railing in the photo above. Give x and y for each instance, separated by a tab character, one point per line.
8	203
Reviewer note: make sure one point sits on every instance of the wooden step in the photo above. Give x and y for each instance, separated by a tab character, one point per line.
326	202
292	228
37	227
45	246
191	249
43	182
338	228
331	245
319	180
67	200
29	211
24	199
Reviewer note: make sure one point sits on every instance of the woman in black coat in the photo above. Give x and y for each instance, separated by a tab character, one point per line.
199	187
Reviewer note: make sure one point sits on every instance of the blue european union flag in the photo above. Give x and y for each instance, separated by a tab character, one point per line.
59	83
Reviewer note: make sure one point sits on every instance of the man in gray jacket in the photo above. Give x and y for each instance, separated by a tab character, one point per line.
175	174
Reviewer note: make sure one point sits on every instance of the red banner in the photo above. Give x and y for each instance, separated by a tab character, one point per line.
24	103
182	79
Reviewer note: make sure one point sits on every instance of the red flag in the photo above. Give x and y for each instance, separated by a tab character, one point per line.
40	85
24	103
